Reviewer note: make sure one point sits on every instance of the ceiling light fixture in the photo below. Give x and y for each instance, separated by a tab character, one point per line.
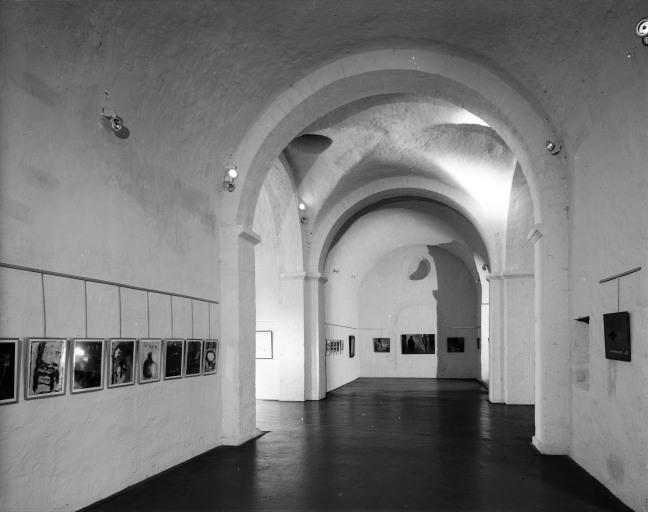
641	30
553	147
231	173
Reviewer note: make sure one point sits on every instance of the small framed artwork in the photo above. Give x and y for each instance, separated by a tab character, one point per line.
87	365
264	345
46	360
381	344
9	370
173	358
455	344
148	360
617	335
194	357
351	346
210	360
417	343
478	343
121	362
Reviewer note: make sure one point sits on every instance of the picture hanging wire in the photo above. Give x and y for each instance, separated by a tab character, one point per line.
148	316
209	320
85	304
171	299
120	310
192	319
44	310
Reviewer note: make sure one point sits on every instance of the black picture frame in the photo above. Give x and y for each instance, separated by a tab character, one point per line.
382	345
121	356
149	360
616	328
173	358
193	357
456	344
417	344
45	367
9	370
210	362
87	363
351	345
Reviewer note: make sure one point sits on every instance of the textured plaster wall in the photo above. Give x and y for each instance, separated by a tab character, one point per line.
443	303
76	199
610	235
267	297
340	368
109	439
369	289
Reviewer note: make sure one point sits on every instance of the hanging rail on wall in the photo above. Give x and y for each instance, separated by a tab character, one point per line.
102	281
622	274
618	278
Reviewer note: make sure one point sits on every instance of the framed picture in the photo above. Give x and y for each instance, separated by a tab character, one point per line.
9	370
87	365
455	345
210	361
381	344
121	362
173	358
478	343
148	360
264	345
351	346
194	357
617	335
46	367
417	343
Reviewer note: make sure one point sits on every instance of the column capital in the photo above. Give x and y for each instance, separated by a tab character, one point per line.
511	275
317	275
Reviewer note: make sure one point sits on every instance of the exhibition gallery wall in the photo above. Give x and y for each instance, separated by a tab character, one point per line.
203	203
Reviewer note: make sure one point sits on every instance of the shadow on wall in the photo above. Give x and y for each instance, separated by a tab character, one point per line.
457	316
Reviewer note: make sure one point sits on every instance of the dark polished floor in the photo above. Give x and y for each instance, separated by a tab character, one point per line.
379	444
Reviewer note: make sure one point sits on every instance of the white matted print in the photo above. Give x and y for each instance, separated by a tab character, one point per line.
46	364
264	345
87	365
193	358
9	370
148	361
121	362
210	360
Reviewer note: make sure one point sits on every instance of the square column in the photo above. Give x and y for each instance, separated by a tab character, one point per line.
315	364
237	347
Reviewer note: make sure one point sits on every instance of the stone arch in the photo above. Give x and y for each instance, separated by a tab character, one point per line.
328	224
509	110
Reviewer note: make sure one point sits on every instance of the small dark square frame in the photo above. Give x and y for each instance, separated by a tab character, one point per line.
616	328
456	344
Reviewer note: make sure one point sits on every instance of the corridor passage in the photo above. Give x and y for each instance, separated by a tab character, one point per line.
379	444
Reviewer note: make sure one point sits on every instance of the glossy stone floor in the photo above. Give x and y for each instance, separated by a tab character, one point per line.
379	444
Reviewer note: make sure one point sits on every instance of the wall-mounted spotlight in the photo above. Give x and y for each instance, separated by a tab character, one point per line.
553	147
641	30
231	173
116	123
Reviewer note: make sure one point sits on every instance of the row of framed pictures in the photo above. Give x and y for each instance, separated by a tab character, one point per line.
91	361
420	344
